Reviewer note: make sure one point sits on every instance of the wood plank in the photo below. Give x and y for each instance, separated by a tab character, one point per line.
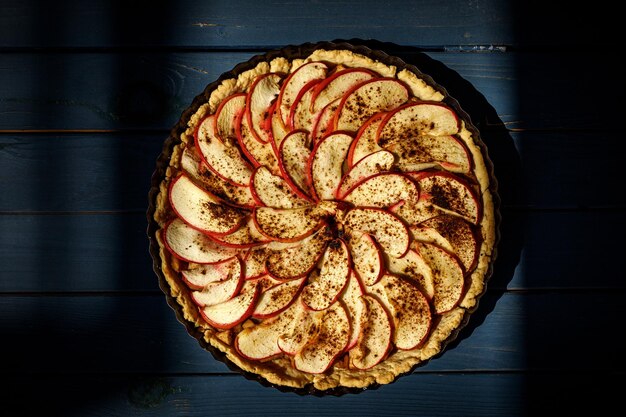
109	252
130	90
542	331
246	22
535	170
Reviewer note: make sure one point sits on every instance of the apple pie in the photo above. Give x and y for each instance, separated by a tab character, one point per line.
322	218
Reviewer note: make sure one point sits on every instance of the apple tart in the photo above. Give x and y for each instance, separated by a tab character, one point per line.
323	218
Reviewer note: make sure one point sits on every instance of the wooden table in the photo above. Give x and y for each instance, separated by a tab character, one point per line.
88	93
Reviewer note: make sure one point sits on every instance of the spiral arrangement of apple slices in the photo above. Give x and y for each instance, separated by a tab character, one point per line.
325	215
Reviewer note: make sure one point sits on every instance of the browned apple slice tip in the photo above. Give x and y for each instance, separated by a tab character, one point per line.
324	289
288	225
298	261
414	267
277	298
384	189
390	232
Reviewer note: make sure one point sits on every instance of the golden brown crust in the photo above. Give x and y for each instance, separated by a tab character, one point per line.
280	370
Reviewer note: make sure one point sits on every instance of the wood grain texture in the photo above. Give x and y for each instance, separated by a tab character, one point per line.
128	90
109	252
140	334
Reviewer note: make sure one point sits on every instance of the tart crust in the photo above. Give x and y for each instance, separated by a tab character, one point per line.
279	371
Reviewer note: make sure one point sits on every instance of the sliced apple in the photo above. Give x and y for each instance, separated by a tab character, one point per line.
230	313
298	261
449	194
218	292
223	158
337	85
324	289
383	190
227	115
329	342
254	262
416	119
409	310
448	277
323	123
301	115
245	236
201	210
413	266
260	342
233	194
351	298
203	275
326	164
294	153
258	153
273	191
376	335
416	153
304	327
371	164
277	128
288	225
451	233
190	245
364	142
367	259
368	98
263	92
294	84
277	298
390	232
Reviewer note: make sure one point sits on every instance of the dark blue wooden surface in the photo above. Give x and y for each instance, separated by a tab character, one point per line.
88	92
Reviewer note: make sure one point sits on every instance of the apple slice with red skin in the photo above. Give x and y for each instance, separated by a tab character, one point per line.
218	292
337	85
350	296
413	266
245	236
326	164
416	153
416	119
409	310
382	190
293	85
223	158
448	277
367	258
262	94
230	313
278	298
260	342
324	289
330	341
288	225
201	276
374	163
448	193
451	233
368	98
276	127
273	191
376	334
298	261
294	154
390	232
323	123
364	142
190	245
236	195
304	326
227	115
202	210
301	115
258	153
254	261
